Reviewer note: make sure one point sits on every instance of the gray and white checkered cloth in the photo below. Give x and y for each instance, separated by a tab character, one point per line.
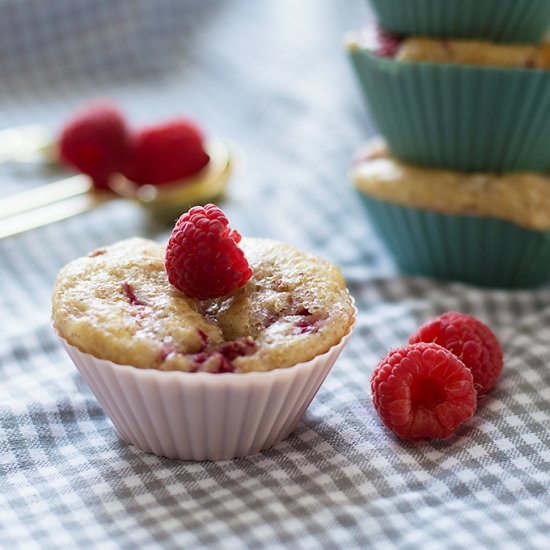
272	77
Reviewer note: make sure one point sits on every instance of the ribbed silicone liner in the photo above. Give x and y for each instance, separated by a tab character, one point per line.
459	117
481	251
498	20
203	416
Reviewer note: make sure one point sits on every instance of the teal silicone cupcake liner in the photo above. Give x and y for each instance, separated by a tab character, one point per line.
480	251
459	117
498	20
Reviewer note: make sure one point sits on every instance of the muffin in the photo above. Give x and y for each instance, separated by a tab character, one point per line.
118	304
472	52
500	20
453	104
202	378
481	228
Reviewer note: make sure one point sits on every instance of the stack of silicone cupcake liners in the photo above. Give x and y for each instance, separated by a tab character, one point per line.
497	20
465	118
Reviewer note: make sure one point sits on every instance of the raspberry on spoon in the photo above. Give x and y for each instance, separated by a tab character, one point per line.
470	340
423	391
203	259
165	153
95	141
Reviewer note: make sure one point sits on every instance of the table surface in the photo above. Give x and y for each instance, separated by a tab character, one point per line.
271	77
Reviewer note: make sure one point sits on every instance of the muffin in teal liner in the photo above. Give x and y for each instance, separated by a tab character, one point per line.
484	229
462	117
499	20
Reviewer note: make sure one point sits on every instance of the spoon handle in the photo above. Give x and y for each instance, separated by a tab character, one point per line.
44	195
47	204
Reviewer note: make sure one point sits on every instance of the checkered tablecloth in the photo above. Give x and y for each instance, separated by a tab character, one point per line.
272	77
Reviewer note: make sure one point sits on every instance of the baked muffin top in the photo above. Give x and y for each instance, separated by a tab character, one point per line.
519	197
450	51
117	304
474	52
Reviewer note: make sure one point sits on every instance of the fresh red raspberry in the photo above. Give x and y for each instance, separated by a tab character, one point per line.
166	153
423	391
203	259
470	340
95	141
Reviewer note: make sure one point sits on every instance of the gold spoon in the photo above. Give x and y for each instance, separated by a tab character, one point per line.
75	195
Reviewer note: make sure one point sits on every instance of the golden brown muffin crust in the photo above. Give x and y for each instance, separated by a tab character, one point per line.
474	52
519	197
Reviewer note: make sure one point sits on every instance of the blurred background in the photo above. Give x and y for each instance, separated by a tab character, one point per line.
270	77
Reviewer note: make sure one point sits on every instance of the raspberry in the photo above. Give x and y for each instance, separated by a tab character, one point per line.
95	141
470	340
166	153
203	259
387	43
423	391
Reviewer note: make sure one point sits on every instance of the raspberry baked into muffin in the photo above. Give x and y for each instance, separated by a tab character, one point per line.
254	325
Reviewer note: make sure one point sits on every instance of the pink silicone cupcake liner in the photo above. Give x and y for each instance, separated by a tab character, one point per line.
204	416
